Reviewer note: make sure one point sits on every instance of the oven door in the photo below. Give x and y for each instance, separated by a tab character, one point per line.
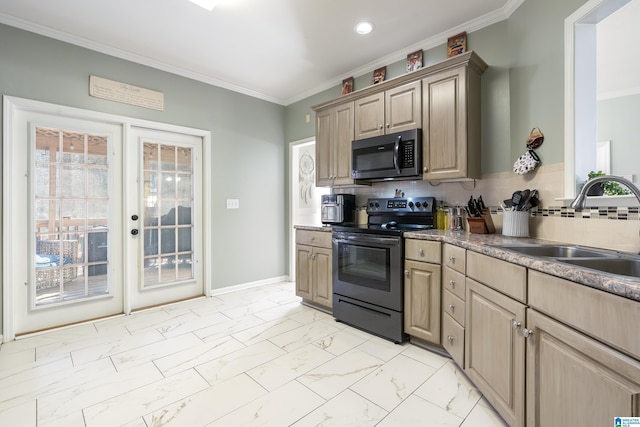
368	268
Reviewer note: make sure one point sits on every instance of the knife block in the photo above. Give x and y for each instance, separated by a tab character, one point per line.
481	225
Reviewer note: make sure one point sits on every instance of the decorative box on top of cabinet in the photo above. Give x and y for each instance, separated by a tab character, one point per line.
313	267
393	110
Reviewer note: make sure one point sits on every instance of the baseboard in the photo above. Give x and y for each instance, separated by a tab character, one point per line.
249	285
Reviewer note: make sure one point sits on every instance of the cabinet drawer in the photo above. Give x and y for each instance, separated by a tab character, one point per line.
454	282
454	257
453	339
313	238
453	306
422	250
607	317
510	279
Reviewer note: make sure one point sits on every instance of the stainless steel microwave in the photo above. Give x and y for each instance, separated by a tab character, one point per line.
388	157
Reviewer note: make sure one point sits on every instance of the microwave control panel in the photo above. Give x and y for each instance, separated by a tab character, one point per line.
408	153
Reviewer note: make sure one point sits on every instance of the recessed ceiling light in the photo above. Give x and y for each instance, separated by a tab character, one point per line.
364	27
206	4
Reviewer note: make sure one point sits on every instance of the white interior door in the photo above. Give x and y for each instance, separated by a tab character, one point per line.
164	236
63	218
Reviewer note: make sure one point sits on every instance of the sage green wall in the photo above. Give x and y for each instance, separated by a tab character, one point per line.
522	88
247	138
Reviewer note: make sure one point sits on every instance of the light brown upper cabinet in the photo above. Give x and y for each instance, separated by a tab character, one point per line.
451	124
393	110
334	133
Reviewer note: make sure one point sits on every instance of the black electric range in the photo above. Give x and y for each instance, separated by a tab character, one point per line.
368	265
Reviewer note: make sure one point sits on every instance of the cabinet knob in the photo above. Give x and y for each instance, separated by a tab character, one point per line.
450	339
313	257
452	258
381	126
452	307
406	273
388	126
527	333
421	251
515	324
452	283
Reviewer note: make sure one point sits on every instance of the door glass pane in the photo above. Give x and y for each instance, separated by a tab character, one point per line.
168	224
70	216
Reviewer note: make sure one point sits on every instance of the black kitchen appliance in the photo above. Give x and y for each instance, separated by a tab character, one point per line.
338	209
368	265
388	157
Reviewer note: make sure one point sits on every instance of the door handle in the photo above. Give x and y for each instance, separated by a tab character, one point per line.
134	232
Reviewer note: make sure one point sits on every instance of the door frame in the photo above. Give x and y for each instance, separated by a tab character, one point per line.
13	104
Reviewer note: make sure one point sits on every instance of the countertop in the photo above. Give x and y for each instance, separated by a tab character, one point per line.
482	243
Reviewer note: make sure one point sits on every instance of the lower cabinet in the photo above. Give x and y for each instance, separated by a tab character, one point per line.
575	380
422	294
495	350
422	301
313	268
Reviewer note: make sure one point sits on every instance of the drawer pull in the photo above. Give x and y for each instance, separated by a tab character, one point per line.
452	283
452	307
450	339
452	258
420	251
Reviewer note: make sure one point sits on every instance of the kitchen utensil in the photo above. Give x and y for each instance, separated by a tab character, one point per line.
524	198
481	204
515	199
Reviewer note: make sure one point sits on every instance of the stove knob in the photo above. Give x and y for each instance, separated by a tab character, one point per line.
418	205
370	204
411	204
377	205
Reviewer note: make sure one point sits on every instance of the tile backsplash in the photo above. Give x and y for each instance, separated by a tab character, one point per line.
607	227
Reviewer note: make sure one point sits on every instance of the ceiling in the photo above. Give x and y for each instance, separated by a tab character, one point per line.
278	50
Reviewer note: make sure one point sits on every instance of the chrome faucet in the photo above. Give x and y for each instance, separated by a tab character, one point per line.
578	202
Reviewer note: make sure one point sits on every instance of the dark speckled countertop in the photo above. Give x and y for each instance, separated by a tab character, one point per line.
484	243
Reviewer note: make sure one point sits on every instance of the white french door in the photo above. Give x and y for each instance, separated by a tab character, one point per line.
100	217
165	222
63	221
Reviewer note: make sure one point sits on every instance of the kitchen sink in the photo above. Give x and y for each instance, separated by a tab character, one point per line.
628	267
556	251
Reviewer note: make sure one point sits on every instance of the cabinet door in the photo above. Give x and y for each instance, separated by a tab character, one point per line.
495	350
369	116
422	301
324	149
575	380
403	108
303	271
342	138
444	131
321	267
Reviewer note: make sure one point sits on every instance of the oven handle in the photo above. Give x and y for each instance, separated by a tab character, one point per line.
396	155
367	239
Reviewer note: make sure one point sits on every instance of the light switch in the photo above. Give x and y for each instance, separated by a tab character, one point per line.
308	118
233	204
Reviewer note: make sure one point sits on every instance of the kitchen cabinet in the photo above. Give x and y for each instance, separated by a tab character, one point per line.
393	110
582	359
422	290
451	124
453	301
494	338
334	134
313	267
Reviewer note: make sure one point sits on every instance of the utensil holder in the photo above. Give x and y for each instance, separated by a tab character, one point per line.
515	223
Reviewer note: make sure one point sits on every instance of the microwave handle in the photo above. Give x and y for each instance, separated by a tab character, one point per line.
396	155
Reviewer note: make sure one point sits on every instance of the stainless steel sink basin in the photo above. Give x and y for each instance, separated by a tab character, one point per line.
628	267
556	251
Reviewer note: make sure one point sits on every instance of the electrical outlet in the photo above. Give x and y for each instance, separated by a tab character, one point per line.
233	204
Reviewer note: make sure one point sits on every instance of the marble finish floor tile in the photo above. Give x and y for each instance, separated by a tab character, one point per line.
253	357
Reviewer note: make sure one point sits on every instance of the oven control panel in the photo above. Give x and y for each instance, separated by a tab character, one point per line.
396	204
